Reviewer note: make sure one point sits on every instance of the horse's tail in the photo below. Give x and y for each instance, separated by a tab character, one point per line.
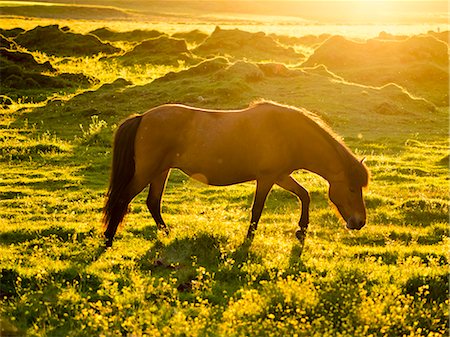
123	169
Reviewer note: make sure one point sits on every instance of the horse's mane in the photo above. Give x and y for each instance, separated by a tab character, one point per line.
356	170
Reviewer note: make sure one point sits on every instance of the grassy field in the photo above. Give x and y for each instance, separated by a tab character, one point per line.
389	279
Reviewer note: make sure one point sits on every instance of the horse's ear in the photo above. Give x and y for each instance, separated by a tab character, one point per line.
362	160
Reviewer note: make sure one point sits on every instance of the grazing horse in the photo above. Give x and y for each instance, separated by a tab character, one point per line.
265	142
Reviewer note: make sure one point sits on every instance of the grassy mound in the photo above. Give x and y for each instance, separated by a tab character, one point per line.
307	40
396	102
136	35
23	76
203	68
117	84
338	52
442	36
419	63
194	36
63	43
277	69
244	45
252	72
160	50
25	61
388	36
221	68
11	32
241	70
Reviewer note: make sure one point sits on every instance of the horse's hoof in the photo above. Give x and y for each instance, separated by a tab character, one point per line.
163	232
163	229
300	235
108	243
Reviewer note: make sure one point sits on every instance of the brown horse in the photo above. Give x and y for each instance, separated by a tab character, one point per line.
265	142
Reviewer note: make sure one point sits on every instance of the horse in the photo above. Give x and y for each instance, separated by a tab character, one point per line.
265	142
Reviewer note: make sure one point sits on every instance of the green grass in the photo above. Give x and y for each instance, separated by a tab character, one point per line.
389	279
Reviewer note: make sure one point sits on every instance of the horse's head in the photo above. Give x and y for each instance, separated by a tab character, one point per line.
347	195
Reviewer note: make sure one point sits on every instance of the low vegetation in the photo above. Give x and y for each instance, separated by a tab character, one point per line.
389	279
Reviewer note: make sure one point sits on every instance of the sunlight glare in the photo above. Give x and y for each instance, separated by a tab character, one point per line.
372	11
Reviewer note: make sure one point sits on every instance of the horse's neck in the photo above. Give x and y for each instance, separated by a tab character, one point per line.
328	160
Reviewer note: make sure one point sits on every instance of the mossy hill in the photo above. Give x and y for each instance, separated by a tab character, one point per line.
193	36
160	50
221	83
11	32
136	35
245	45
24	60
54	41
443	36
306	40
419	63
24	77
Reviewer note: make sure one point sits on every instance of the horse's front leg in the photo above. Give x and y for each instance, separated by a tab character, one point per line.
262	190
291	185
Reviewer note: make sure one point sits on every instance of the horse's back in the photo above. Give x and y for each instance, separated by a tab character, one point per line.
223	146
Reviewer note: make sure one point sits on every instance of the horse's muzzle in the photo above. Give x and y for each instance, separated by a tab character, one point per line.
355	223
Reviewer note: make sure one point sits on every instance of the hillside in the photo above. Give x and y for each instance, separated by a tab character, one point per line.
418	63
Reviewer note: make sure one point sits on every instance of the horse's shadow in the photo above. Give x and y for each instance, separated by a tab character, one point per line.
189	258
201	249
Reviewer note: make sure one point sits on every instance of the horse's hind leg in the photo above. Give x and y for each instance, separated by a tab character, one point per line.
120	208
291	185
154	199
